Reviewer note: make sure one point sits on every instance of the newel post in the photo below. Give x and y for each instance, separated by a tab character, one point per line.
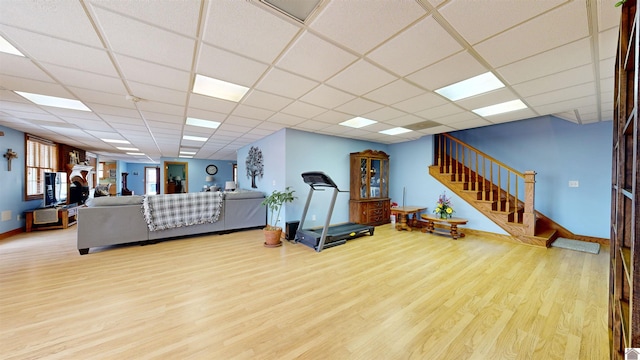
529	219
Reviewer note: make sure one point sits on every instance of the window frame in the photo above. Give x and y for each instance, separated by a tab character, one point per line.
34	188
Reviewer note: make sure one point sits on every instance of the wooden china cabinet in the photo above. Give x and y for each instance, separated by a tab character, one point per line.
370	203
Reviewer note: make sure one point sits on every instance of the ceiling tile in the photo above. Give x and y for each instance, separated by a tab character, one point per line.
458	67
550	62
153	74
247	29
21	67
252	112
421	102
422	44
285	84
261	99
360	78
61	19
359	106
561	26
303	110
50	50
178	16
313	57
573	92
394	92
361	28
384	114
491	17
327	97
143	41
223	65
560	80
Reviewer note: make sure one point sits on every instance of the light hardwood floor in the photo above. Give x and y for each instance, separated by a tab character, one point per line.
395	295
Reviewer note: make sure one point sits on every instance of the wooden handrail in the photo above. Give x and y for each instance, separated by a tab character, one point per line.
476	168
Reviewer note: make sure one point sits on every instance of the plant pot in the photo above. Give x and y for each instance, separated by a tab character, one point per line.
272	237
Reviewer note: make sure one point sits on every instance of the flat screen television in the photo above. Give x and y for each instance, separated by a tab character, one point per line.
55	189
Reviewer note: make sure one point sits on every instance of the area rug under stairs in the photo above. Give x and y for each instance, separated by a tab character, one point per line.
576	245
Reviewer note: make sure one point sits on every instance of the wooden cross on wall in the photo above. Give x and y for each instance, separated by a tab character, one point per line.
10	155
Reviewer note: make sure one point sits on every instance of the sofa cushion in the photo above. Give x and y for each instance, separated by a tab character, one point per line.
243	194
115	200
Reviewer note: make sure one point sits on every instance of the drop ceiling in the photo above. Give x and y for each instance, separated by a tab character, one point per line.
133	63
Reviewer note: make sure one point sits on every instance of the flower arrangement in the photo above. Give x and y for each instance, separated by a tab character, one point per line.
444	208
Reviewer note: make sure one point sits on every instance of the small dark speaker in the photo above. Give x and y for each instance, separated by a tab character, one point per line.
290	229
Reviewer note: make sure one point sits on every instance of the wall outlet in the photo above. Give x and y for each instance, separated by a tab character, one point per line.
274	183
574	183
313	218
19	216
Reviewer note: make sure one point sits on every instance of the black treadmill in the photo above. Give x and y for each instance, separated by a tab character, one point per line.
329	235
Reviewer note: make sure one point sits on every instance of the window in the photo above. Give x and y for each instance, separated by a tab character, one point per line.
41	156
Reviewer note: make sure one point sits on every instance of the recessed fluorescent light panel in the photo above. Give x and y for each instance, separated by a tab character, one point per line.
358	122
205	85
46	100
127	148
136	154
470	87
187	152
394	131
116	141
500	108
185	156
194	138
6	47
202	123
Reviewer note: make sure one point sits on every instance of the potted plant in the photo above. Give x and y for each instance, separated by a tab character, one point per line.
274	202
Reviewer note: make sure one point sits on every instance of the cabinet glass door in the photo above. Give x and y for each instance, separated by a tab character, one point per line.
364	170
384	179
375	173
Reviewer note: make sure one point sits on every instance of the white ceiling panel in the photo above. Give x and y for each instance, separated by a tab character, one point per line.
327	97
242	27
303	110
455	68
421	102
394	92
313	57
86	80
362	28
561	26
352	58
579	75
18	66
178	16
491	17
223	65
252	112
62	19
50	50
549	62
361	78
154	74
140	40
359	106
422	44
285	84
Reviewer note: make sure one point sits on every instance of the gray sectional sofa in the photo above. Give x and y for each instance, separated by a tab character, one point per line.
120	220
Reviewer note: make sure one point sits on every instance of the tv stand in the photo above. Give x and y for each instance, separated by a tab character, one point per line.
66	217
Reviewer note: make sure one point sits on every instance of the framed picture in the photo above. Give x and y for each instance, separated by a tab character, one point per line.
112	173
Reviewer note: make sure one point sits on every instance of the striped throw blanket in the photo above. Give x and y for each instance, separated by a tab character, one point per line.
168	211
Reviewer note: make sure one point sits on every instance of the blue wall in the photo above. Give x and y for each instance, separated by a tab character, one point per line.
409	173
557	150
12	188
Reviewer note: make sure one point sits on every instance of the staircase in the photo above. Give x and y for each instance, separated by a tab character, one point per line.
504	195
